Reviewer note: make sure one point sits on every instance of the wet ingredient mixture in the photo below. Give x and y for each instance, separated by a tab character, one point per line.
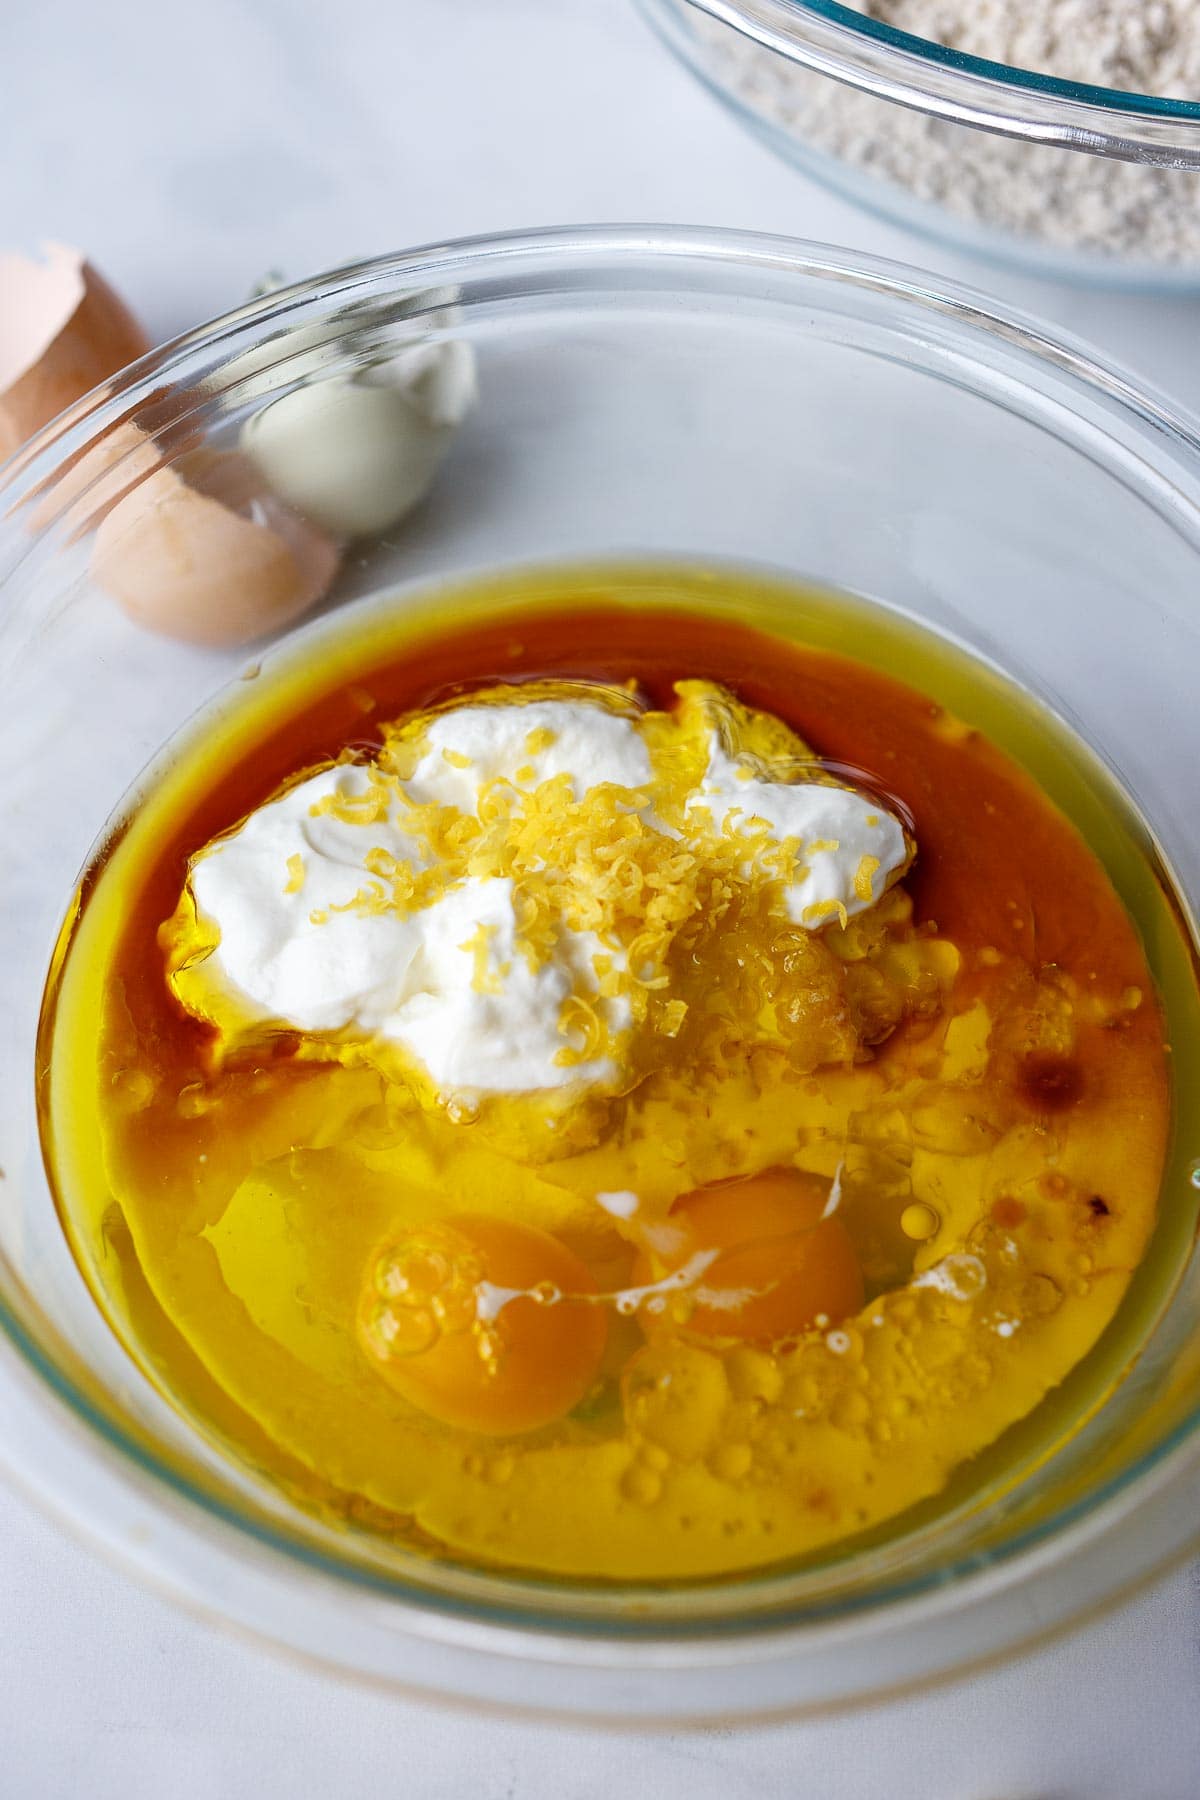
600	1106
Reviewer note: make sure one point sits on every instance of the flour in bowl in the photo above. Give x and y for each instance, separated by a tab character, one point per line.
1066	198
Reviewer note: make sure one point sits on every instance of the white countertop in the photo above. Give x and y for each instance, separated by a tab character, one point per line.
190	150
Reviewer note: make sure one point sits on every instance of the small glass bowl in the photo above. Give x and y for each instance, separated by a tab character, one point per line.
1066	181
642	393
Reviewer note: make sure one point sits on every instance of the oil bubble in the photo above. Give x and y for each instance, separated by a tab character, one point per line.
753	1375
850	1412
403	1331
919	1221
134	1087
1040	1296
675	1398
641	1485
730	1462
960	1277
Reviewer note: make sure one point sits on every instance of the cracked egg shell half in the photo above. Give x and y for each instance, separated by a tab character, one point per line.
202	551
62	331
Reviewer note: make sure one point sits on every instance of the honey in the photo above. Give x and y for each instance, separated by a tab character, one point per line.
949	1238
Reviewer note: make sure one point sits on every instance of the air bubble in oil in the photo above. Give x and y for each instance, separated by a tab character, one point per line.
641	1485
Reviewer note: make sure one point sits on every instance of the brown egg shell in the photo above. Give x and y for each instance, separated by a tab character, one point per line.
200	551
85	487
62	331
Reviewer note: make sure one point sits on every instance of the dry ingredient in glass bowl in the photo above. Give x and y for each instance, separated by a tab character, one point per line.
1123	210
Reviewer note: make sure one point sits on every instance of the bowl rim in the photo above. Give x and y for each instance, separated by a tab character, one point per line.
587	251
836	40
31	469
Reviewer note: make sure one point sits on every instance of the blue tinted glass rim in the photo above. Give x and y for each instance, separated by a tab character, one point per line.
1115	100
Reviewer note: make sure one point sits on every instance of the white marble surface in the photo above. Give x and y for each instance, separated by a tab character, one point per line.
190	150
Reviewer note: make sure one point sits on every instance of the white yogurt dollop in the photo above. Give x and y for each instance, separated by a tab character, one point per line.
448	982
589	744
501	1034
850	846
261	888
477	1023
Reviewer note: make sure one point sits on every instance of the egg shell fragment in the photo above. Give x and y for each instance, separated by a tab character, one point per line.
197	551
90	485
62	331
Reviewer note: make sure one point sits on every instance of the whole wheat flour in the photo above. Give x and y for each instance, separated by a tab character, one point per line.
1065	198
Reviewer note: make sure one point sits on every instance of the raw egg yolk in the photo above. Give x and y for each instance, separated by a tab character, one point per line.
780	1265
480	1323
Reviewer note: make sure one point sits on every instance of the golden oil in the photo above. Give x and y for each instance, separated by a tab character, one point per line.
223	1222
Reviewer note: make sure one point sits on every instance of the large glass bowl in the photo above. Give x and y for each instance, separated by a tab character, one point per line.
650	393
1064	180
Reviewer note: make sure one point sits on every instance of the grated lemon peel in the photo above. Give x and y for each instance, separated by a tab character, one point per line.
701	964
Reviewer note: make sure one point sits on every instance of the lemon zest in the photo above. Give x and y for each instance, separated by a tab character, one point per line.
699	960
864	877
484	979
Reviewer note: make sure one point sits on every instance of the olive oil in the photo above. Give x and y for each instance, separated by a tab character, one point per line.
223	1223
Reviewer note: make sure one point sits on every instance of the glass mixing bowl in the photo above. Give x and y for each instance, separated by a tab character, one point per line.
1064	180
650	393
